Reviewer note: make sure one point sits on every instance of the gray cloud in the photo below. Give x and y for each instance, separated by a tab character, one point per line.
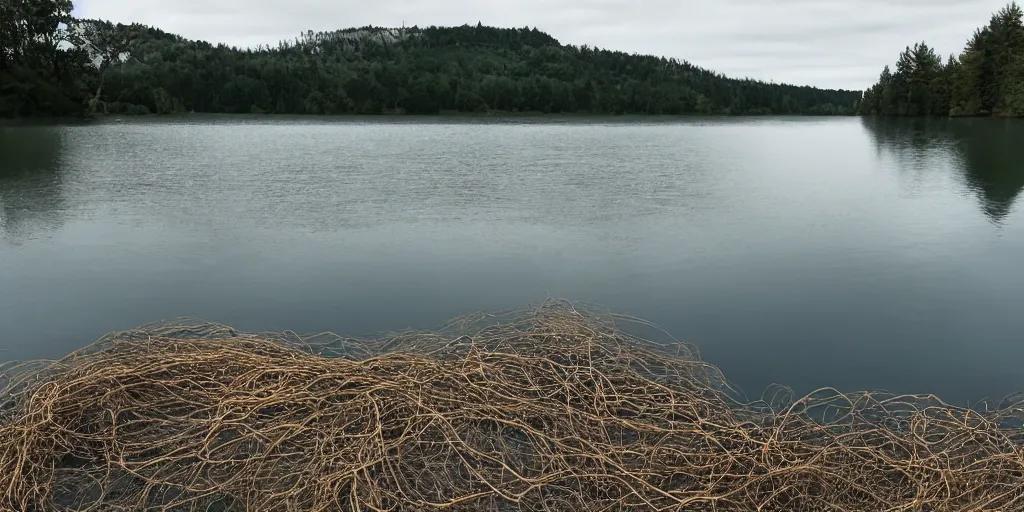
826	43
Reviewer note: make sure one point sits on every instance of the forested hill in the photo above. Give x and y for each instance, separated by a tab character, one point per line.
987	78
138	69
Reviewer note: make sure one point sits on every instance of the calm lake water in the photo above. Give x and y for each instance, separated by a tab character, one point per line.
853	253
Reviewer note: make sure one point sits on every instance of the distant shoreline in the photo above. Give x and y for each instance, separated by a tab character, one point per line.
108	118
453	116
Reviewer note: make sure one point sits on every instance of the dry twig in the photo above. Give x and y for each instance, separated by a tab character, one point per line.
550	408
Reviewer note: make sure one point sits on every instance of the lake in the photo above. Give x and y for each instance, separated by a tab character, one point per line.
810	252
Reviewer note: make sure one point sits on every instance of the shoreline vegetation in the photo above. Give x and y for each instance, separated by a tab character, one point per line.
54	64
987	79
553	407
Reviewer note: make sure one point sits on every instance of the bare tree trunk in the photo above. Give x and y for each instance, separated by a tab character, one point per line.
99	88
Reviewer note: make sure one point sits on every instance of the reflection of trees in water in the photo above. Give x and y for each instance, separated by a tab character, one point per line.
993	153
990	151
31	197
919	147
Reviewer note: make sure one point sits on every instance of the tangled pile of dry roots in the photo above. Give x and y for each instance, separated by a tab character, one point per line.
550	408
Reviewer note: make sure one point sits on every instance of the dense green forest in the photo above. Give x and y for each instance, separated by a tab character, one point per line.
987	78
54	64
39	72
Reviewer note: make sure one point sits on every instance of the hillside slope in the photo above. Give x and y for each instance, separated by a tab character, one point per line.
99	66
426	71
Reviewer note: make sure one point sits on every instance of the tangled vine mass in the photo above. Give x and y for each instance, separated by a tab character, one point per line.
549	408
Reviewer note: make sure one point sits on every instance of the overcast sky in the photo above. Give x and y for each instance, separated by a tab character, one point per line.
825	43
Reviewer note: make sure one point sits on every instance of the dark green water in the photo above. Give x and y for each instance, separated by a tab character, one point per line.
809	252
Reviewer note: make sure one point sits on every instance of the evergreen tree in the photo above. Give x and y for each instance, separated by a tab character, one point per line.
987	79
373	70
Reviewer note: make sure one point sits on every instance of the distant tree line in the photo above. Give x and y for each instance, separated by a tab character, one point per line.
987	79
98	66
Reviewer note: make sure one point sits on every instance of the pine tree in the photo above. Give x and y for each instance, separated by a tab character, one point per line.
987	79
